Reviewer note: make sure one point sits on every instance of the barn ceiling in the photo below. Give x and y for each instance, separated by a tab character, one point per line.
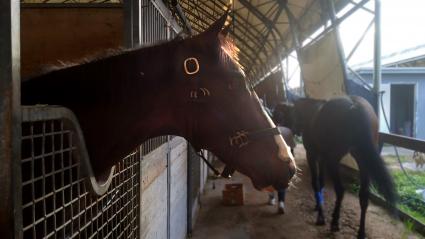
260	28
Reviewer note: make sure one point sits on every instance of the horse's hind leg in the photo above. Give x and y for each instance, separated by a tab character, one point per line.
364	201
363	194
321	181
312	163
339	191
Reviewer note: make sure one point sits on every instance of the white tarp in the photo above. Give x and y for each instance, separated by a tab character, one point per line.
322	68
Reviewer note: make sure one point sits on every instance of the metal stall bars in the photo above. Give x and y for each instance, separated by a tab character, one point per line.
10	126
57	202
148	22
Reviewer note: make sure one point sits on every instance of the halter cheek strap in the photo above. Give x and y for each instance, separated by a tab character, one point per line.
242	138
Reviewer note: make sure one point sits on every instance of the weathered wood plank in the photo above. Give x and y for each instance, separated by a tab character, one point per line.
154	209
153	165
178	194
154	191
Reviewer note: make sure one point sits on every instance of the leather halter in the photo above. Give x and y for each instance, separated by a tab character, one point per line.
186	69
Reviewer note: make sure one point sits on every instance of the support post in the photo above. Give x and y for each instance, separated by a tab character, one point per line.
284	87
377	56
10	120
295	37
168	187
189	202
132	21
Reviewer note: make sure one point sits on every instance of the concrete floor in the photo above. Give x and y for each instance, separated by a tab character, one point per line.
256	219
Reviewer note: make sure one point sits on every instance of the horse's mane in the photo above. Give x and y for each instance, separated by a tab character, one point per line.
98	56
228	55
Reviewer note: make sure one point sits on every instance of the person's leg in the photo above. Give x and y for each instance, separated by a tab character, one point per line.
281	199
281	195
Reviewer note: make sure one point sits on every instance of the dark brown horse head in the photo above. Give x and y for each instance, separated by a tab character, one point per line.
229	119
298	115
284	115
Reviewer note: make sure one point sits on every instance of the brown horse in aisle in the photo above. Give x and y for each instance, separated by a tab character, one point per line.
191	87
331	129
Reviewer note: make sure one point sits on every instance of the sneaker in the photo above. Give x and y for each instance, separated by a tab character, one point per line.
281	208
272	201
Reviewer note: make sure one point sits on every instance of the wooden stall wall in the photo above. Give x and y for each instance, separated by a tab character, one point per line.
51	35
154	194
178	185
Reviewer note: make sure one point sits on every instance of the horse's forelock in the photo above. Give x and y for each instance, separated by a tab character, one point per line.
229	52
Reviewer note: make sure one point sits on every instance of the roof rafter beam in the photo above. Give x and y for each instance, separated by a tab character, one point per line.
242	28
267	22
247	26
209	16
243	54
265	37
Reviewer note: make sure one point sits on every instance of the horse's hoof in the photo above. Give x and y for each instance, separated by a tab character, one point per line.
334	227
318	206
361	235
281	208
320	221
280	211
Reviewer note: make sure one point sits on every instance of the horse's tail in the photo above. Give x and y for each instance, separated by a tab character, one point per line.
369	158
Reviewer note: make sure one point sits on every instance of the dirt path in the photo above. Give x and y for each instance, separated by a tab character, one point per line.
256	219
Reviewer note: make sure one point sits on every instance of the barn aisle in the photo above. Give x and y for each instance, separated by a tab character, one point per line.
257	219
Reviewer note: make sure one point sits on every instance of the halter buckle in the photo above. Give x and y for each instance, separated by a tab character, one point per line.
240	139
186	69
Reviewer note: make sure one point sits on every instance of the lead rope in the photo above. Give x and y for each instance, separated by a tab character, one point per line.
201	155
217	173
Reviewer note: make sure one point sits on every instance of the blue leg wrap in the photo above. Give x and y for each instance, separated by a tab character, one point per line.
319	197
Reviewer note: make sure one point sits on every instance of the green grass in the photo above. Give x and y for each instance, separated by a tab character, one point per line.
410	202
408	229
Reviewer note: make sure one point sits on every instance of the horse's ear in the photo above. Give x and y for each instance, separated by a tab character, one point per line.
225	29
219	25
